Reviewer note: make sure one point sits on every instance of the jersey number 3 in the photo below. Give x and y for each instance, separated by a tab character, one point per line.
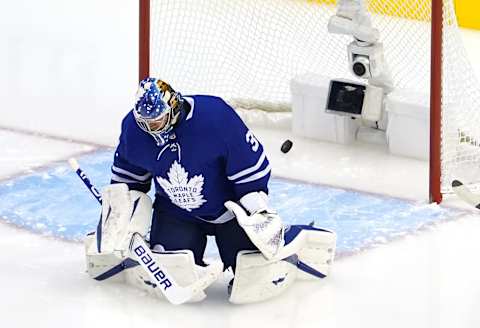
250	138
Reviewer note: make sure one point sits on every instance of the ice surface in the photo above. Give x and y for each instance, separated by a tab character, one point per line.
426	279
55	202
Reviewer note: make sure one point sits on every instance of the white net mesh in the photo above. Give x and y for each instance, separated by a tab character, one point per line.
253	48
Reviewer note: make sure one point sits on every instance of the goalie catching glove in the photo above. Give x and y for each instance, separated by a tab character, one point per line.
263	226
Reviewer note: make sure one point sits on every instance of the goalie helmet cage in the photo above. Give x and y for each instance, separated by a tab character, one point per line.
251	49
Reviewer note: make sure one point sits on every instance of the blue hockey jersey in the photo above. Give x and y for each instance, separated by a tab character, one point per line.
209	158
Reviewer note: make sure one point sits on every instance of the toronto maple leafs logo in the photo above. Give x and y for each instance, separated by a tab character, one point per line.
184	193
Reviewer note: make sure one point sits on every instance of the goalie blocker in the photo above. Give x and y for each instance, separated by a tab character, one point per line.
117	251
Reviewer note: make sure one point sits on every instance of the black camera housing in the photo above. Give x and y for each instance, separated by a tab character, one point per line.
345	98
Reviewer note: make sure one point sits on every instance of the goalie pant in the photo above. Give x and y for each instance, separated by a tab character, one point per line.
174	233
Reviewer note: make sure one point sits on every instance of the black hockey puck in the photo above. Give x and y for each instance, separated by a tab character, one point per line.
286	146
456	183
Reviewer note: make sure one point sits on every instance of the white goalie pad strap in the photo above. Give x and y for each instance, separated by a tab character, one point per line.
124	212
181	265
258	279
265	229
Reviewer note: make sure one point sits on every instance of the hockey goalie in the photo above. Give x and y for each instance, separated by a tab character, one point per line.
211	179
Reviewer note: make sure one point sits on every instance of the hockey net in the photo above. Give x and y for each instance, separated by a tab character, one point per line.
249	50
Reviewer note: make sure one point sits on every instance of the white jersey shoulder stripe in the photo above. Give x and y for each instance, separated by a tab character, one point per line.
116	178
191	101
248	170
131	175
256	176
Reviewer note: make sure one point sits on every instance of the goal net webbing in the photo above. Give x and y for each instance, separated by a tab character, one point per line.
251	49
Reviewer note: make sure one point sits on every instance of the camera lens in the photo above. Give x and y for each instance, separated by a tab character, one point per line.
359	69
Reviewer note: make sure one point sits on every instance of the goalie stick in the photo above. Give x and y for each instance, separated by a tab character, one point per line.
466	194
141	252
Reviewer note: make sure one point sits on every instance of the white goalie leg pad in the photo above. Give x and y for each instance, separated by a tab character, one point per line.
258	279
318	252
180	264
314	247
99	264
124	213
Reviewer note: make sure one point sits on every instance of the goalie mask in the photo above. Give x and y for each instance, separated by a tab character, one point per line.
157	108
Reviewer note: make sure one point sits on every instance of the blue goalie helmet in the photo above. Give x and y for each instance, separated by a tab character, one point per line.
157	108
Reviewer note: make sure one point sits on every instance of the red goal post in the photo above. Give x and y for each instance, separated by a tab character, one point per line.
144	39
435	172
